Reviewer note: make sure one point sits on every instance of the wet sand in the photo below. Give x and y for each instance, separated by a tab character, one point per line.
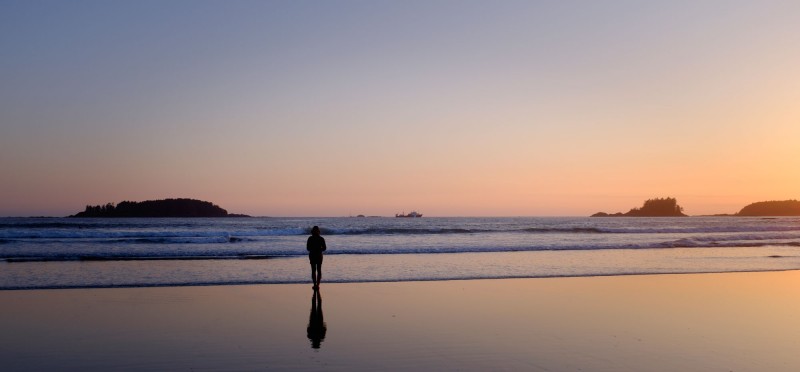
689	322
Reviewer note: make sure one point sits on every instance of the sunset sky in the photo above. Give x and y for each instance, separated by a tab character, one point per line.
451	108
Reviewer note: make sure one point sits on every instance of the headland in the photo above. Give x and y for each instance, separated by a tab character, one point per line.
180	207
658	207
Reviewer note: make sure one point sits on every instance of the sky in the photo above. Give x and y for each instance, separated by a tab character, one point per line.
450	108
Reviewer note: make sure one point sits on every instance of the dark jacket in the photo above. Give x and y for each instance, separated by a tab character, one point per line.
315	246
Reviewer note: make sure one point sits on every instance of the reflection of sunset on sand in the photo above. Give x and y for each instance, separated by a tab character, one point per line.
693	322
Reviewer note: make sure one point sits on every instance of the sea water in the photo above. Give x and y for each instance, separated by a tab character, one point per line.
125	252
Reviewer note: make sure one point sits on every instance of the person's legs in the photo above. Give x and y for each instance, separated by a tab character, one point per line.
314	274
319	273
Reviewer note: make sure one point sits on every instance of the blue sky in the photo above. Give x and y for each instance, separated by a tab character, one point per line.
449	107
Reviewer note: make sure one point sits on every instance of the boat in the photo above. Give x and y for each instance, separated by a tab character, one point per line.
411	214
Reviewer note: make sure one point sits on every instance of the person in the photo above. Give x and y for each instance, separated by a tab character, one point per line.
315	246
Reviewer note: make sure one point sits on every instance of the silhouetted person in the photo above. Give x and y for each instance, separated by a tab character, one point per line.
315	246
316	324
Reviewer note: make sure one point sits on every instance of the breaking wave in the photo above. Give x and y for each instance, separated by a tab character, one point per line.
223	253
131	239
174	235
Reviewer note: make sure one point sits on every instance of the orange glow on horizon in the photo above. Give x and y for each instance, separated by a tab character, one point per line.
475	115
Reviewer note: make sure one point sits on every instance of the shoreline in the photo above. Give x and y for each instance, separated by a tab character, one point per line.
654	322
248	284
388	268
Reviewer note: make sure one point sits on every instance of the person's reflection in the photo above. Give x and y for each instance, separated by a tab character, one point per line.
316	323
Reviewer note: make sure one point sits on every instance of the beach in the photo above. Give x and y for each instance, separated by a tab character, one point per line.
516	185
687	322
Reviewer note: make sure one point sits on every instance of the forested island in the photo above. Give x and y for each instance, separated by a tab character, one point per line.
771	208
157	208
658	207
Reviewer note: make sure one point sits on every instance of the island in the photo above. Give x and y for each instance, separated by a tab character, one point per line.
658	207
180	207
771	208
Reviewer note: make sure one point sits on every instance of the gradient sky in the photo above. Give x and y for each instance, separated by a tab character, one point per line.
452	108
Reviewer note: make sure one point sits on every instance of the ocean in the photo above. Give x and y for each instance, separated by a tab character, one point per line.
37	253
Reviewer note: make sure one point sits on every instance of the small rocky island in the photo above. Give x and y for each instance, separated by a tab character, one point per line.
658	207
157	208
771	208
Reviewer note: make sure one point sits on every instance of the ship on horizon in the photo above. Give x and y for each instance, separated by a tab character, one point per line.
410	214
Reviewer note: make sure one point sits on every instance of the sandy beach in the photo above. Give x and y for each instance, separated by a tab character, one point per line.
497	186
690	322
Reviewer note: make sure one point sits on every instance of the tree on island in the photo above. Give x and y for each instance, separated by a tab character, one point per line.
157	208
771	208
658	207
